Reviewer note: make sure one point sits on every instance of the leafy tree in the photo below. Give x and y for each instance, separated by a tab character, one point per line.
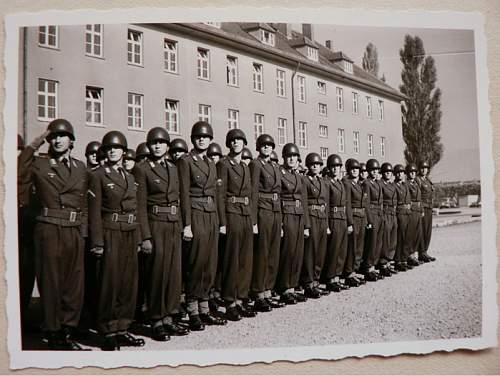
370	59
421	112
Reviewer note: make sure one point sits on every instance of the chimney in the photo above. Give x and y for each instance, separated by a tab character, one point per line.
307	30
329	44
284	29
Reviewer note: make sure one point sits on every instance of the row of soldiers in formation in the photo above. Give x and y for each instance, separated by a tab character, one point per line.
169	229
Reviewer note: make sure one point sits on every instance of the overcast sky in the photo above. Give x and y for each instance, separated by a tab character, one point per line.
453	52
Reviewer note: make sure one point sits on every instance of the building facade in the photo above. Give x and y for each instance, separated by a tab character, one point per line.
262	78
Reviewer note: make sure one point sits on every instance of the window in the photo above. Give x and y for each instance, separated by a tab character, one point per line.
135	110
301	88
340	99
302	134
48	36
232	71
93	40
233	119
368	107
214	24
322	109
281	131
355	103
172	115
348	67
381	110
267	37
382	146
321	87
312	53
341	140
370	145
355	142
170	55
323	130
258	84
134	47
47	100
280	83
323	152
258	121
205	113
203	64
93	105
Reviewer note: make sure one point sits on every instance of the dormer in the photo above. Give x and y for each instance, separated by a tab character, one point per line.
306	47
343	61
261	31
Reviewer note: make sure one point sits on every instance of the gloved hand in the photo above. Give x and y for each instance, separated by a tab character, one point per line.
328	232
255	229
97	251
187	234
147	246
350	229
223	230
38	141
306	233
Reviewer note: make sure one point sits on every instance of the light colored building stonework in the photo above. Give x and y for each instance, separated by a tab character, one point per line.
96	89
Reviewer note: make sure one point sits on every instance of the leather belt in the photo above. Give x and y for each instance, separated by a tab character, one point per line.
404	206
156	209
270	196
376	206
358	210
124	218
416	203
389	206
238	200
296	203
318	207
69	215
204	199
336	209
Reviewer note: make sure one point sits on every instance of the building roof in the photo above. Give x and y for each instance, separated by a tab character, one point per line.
329	62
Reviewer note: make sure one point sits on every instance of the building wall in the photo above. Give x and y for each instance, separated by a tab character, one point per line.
73	70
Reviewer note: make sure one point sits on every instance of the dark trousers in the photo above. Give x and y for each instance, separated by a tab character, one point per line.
390	237
163	274
314	250
118	281
202	255
237	260
60	274
426	231
141	285
266	250
373	240
291	252
403	244
26	251
414	231
88	316
336	249
355	245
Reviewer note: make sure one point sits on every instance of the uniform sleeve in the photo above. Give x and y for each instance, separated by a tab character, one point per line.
327	197
94	195
184	188
348	206
366	202
221	189
84	226
255	177
24	176
142	202
307	220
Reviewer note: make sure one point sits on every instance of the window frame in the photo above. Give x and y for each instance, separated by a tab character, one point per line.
355	103
259	127
339	93
382	147
321	84
233	120
232	71
92	102
381	110
320	130
92	42
280	83
200	69
282	124
302	134
369	109
168	116
341	140
312	53
46	94
301	88
324	149
46	36
202	116
369	142
134	107
271	41
324	107
355	142
132	43
255	75
167	56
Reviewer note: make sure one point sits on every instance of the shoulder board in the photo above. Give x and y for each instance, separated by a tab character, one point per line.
310	177
263	162
231	161
353	182
52	162
283	171
108	170
152	164
194	157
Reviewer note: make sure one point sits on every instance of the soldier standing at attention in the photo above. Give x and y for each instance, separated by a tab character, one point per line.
337	244
295	226
158	213
403	211
129	160
390	234
61	184
198	180
274	157
427	189
214	152
91	155
266	180
246	156
363	173
415	220
141	152
237	226
177	149
315	245
115	237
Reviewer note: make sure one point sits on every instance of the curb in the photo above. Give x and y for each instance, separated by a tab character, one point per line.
452	222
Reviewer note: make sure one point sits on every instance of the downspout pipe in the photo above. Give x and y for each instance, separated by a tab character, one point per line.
25	85
293	103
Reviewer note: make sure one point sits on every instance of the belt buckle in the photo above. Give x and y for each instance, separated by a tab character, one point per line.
173	209
247	201
335	209
72	216
322	208
209	199
155	209
130	219
232	200
114	217
45	212
275	197
297	203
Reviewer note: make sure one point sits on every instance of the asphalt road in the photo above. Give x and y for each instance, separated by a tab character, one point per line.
433	301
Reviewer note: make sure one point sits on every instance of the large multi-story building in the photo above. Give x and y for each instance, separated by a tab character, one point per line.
262	78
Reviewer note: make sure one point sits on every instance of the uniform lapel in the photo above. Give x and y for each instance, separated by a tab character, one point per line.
159	170
201	164
117	178
73	176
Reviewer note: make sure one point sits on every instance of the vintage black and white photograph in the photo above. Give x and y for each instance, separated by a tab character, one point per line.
246	189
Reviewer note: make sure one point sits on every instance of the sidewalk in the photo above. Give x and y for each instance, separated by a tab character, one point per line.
449	217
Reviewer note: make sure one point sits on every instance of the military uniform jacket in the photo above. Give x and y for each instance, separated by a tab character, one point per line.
157	186
293	189
110	192
234	184
415	194
389	194
197	179
427	191
376	197
337	197
403	197
266	178
24	183
359	197
317	194
60	189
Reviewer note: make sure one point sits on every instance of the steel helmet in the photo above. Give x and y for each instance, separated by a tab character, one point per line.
92	147
399	168
61	126
157	134
386	167
246	154
289	150
101	155
424	164
202	128
362	166
411	167
372	164
333	160
114	138
264	139
312	158
274	157
352	164
214	149
129	154
234	134
178	144
142	150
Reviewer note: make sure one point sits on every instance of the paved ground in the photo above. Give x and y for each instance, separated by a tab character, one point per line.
435	300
